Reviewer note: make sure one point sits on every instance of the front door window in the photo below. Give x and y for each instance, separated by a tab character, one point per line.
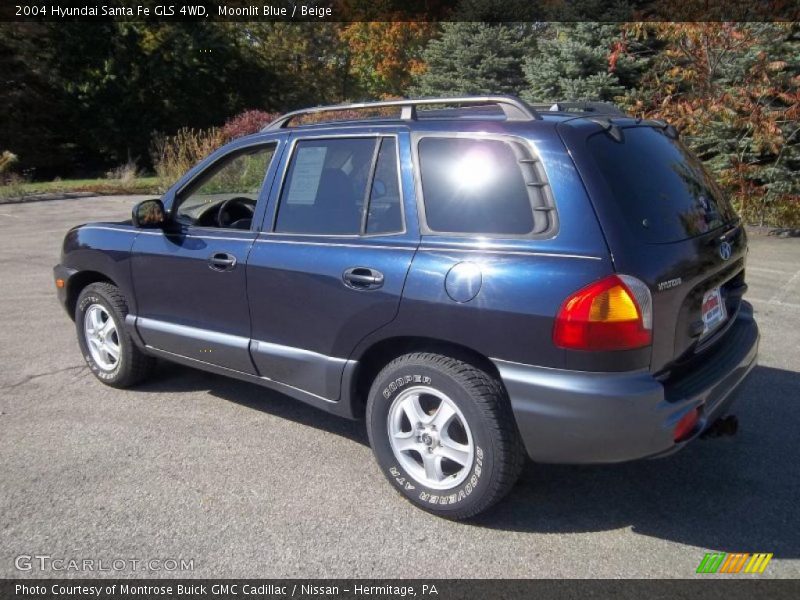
225	195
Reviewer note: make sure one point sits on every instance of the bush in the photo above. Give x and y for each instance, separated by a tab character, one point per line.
124	174
13	186
7	160
781	211
250	121
174	155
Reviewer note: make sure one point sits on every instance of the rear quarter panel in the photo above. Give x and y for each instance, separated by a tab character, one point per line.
511	317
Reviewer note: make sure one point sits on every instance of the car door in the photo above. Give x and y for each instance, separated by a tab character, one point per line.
190	277
330	265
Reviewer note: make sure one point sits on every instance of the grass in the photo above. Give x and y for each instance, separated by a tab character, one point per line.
103	186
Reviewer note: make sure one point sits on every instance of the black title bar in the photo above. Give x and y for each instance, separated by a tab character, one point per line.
399	10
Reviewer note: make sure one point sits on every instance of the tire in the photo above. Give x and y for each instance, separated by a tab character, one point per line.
463	454
99	303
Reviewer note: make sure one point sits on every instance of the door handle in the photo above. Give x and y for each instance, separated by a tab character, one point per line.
362	278
221	261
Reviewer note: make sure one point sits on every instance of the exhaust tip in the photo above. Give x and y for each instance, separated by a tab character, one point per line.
723	427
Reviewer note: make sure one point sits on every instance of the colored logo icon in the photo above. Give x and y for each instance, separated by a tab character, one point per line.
736	562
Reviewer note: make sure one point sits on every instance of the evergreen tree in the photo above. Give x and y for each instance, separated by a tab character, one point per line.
583	61
475	58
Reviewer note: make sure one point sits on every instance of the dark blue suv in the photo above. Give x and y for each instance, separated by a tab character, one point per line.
479	277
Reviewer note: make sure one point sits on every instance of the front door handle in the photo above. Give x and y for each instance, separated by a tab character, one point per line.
362	278
221	261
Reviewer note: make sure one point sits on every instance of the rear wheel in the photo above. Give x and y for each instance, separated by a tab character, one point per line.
443	434
107	348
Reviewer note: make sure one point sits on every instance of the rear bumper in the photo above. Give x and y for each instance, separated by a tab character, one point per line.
583	417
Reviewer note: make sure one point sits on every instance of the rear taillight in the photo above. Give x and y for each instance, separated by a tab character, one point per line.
615	313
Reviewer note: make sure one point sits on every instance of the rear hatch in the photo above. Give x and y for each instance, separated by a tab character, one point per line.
667	223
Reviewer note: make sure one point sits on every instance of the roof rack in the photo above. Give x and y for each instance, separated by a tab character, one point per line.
606	108
513	108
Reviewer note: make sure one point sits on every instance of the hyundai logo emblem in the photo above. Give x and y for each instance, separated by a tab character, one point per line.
725	250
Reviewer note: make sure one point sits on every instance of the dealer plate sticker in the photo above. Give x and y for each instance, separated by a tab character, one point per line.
713	310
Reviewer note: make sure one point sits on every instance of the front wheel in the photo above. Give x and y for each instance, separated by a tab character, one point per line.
443	434
108	349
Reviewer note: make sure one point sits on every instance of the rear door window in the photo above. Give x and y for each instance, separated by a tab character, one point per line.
385	202
661	188
341	186
482	186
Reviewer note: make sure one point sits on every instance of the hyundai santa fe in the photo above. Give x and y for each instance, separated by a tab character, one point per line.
478	278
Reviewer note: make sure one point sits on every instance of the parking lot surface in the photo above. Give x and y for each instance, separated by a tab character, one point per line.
246	482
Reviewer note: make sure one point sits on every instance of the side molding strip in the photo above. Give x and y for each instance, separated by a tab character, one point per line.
292	352
195	333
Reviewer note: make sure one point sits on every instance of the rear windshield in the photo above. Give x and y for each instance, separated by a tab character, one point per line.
661	188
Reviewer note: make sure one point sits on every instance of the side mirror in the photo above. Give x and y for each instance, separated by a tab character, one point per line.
149	214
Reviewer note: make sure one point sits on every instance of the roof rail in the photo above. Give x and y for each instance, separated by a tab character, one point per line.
513	108
606	108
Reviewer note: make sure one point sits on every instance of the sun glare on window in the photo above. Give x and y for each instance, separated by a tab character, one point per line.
474	170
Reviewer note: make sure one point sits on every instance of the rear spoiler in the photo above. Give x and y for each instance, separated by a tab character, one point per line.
615	131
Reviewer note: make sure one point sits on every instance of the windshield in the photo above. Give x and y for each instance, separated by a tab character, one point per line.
662	189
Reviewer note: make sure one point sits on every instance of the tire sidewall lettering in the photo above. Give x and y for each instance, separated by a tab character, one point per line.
400	382
408	484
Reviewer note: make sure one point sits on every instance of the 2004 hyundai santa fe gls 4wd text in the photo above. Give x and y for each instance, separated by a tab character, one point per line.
478	277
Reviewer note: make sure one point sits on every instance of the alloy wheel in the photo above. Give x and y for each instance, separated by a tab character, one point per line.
430	437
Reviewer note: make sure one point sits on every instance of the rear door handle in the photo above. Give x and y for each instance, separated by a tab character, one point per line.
362	278
221	261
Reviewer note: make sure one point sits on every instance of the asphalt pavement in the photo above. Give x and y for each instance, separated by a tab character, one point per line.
239	481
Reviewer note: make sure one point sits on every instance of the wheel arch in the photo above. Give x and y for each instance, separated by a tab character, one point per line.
380	353
78	282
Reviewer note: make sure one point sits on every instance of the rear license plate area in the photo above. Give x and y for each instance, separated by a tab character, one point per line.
714	311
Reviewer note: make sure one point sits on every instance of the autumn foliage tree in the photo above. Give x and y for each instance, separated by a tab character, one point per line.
384	57
733	90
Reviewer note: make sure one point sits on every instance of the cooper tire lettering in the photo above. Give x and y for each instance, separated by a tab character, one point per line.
401	382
